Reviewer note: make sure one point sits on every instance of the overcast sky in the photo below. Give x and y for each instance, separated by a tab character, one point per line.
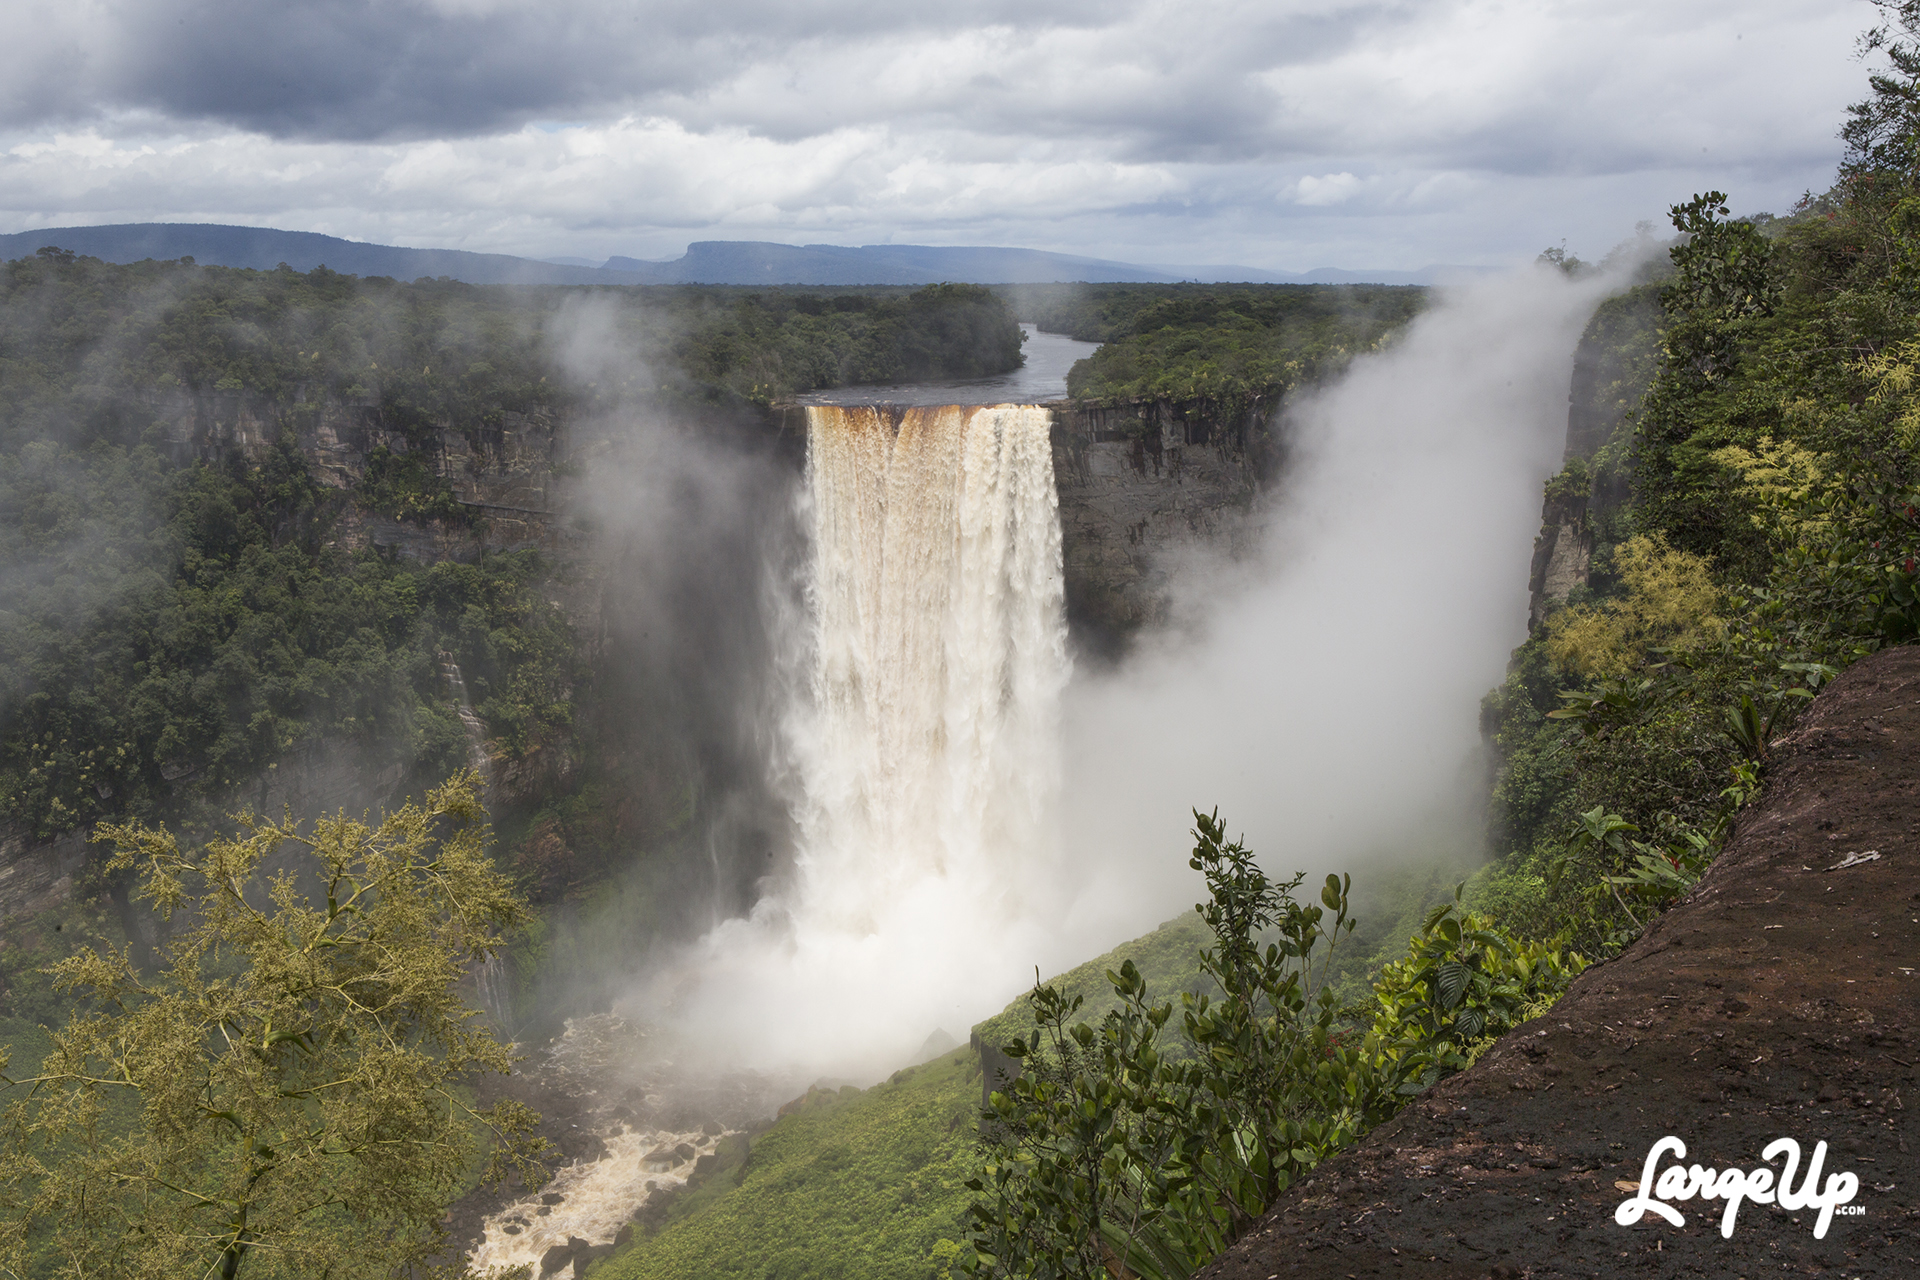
1284	134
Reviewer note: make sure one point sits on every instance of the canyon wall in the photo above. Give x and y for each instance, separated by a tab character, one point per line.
1140	486
511	476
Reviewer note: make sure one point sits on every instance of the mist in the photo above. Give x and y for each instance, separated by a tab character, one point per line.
1325	696
1323	693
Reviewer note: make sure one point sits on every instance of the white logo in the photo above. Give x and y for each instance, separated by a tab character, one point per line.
1733	1186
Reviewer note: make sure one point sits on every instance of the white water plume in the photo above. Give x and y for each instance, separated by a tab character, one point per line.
590	1200
1325	697
925	750
1324	693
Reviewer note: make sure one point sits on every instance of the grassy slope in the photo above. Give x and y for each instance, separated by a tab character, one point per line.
1169	959
866	1184
858	1183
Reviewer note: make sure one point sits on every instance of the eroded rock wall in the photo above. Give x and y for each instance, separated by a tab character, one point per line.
1142	486
513	475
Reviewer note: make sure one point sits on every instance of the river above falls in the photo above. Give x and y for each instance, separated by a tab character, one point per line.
1042	378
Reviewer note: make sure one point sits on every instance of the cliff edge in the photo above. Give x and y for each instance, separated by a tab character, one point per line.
1780	999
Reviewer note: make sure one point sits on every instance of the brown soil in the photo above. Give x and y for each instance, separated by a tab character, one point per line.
1780	999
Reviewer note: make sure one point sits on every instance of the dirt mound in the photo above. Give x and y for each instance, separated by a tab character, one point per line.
1780	1000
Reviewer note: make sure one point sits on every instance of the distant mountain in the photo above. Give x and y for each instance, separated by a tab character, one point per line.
1436	274
739	262
761	262
264	248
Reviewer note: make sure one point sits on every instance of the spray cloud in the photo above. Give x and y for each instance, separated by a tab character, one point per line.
1324	696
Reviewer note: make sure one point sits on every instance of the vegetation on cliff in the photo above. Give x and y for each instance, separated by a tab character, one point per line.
1234	344
1144	1146
1755	527
169	635
863	1184
171	631
82	339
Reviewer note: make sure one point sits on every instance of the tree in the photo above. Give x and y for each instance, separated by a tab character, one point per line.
286	1095
1879	131
1122	1149
1145	1146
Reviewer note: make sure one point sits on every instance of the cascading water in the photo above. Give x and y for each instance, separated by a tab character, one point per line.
925	749
929	751
923	743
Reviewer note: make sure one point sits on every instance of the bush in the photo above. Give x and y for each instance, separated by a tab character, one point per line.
1146	1147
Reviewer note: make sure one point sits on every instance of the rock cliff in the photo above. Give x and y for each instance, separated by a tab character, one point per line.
1778	1000
512	476
1139	484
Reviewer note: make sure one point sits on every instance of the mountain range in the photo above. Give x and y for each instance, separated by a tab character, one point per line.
736	262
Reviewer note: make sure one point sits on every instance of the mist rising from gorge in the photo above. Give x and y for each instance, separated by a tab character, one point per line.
1323	693
1325	696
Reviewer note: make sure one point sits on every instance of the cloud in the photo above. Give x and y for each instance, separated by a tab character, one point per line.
1217	131
1325	697
1332	188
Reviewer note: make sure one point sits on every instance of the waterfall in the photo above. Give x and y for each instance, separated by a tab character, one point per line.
923	743
478	758
939	654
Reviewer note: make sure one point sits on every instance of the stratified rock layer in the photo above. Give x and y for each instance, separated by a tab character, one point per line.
1780	1000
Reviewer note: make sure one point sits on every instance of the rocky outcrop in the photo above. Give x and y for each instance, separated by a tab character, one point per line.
1612	366
1780	999
1562	553
1141	483
511	475
36	875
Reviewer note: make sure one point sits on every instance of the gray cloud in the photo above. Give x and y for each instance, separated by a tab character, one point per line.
1279	133
362	69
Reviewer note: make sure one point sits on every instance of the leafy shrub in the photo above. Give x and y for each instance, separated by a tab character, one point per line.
1463	984
1669	602
1114	1152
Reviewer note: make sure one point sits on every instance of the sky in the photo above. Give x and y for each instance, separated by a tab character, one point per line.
1279	134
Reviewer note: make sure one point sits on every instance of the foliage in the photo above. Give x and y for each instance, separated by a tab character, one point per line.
1235	344
1168	959
168	635
296	1062
1463	984
851	1183
85	341
1111	1151
1880	129
1774	541
1667	603
1114	1152
402	485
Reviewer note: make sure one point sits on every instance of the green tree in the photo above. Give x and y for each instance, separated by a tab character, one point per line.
1122	1148
297	1068
1143	1146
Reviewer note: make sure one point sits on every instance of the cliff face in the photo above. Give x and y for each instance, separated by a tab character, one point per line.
1777	1000
1562	553
1139	484
1612	367
511	476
